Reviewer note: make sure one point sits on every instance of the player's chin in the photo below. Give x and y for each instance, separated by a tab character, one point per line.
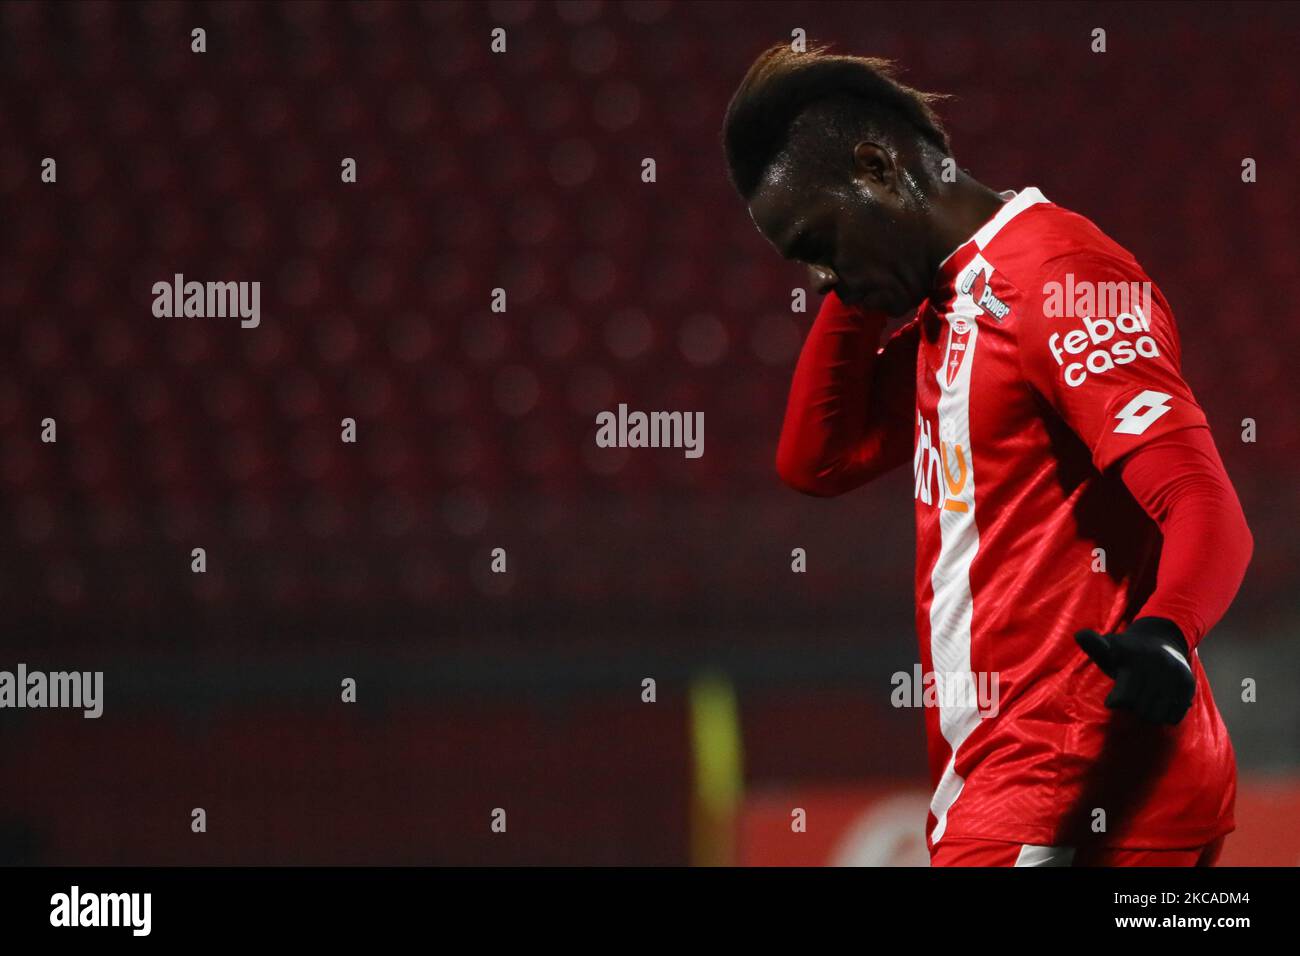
879	300
851	295
900	303
882	299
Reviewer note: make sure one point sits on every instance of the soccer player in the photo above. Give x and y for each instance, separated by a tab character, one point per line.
1077	535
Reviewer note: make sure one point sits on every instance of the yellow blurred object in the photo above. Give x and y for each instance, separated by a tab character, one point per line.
718	773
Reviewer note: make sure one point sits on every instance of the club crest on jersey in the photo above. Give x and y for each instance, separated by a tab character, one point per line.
958	345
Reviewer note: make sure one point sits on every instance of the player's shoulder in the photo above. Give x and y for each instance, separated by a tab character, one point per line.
1079	286
1048	243
1064	267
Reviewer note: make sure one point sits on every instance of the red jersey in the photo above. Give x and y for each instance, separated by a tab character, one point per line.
1024	397
1044	356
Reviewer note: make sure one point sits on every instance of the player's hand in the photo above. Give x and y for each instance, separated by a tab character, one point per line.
1149	664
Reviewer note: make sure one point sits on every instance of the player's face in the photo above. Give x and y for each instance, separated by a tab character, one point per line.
863	239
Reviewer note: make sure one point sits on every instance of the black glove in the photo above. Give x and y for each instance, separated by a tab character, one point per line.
1149	664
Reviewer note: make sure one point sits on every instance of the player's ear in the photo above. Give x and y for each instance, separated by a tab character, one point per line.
874	167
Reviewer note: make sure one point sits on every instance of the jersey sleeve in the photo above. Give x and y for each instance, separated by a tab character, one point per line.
1100	346
849	416
1180	481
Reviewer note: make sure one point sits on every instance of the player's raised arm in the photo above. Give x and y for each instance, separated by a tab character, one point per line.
849	415
841	168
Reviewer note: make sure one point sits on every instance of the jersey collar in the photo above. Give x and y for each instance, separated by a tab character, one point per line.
1014	203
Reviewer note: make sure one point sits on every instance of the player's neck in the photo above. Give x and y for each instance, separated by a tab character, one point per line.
959	212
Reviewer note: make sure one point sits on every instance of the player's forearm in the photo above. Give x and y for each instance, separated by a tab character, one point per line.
1181	483
832	439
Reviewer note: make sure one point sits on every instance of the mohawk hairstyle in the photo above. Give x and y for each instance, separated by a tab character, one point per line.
781	84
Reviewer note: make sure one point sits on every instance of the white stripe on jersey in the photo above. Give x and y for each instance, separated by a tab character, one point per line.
1014	206
1031	855
1016	202
952	602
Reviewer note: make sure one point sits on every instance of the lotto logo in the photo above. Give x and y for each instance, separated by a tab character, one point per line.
1098	353
1137	416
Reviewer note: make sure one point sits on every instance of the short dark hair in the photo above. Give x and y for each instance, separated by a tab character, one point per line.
781	84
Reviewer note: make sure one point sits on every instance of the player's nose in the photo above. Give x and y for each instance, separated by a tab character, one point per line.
822	279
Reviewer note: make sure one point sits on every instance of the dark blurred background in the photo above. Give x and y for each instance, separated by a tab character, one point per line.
522	171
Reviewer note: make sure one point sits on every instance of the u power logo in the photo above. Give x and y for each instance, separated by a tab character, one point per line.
977	284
